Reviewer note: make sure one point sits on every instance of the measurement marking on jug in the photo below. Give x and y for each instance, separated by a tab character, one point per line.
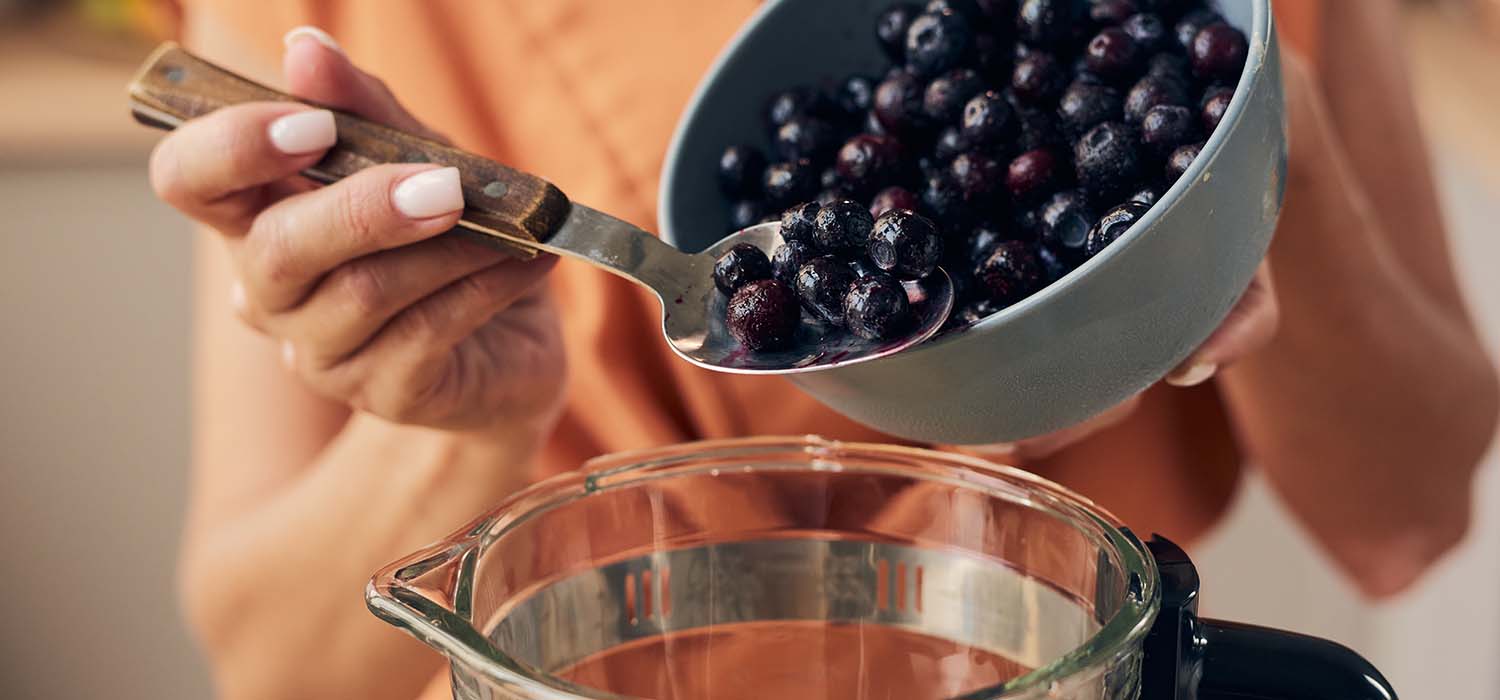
901	586
918	597
646	605
666	592
630	599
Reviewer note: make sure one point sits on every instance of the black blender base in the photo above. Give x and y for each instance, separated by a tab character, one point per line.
1192	658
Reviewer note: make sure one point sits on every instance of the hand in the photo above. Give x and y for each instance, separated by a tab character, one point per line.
372	307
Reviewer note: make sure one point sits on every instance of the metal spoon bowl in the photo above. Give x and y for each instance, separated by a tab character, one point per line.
817	346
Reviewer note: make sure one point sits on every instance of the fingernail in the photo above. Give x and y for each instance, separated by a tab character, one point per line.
288	354
428	194
311	32
237	297
1192	375
304	132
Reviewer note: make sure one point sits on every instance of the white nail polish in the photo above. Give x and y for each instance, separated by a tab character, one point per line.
1193	374
428	194
310	32
288	354
237	299
304	132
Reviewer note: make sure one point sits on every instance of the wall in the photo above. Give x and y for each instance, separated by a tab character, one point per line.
94	285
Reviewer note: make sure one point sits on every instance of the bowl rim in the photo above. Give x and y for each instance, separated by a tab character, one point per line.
1262	31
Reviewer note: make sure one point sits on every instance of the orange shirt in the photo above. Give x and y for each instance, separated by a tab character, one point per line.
587	94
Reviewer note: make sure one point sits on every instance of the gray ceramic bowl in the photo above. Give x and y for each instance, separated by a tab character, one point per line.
1103	333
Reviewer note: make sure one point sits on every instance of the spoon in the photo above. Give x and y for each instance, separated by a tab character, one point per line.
526	214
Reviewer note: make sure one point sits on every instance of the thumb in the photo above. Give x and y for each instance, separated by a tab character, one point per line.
318	70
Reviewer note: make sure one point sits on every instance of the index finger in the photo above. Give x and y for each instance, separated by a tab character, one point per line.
211	168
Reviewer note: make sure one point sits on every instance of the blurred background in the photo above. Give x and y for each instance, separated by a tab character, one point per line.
94	328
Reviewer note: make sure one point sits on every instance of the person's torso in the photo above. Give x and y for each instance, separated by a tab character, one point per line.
587	94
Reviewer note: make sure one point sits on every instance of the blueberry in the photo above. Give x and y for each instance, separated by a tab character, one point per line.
821	284
764	315
988	120
876	308
1180	160
978	176
789	257
1188	27
1053	265
998	12
863	267
937	42
992	55
1010	273
1046	22
873	126
1166	127
744	214
1038	78
968	9
1112	12
929	166
1148	31
1168	8
1084	106
842	226
789	181
1113	54
1038	129
950	142
1064	224
1024	221
797	222
856	96
943	199
740	265
1112	225
805	137
1146	195
1082	74
898	104
740	168
905	244
831	195
1150	92
891	28
797	102
1032	174
972	313
868	161
943	101
1169	66
982	242
1107	160
829	179
1218	52
893	197
1215	104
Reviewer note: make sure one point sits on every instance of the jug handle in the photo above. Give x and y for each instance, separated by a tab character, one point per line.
1245	662
1192	658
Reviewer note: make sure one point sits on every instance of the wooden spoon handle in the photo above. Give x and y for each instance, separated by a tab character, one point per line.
509	207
